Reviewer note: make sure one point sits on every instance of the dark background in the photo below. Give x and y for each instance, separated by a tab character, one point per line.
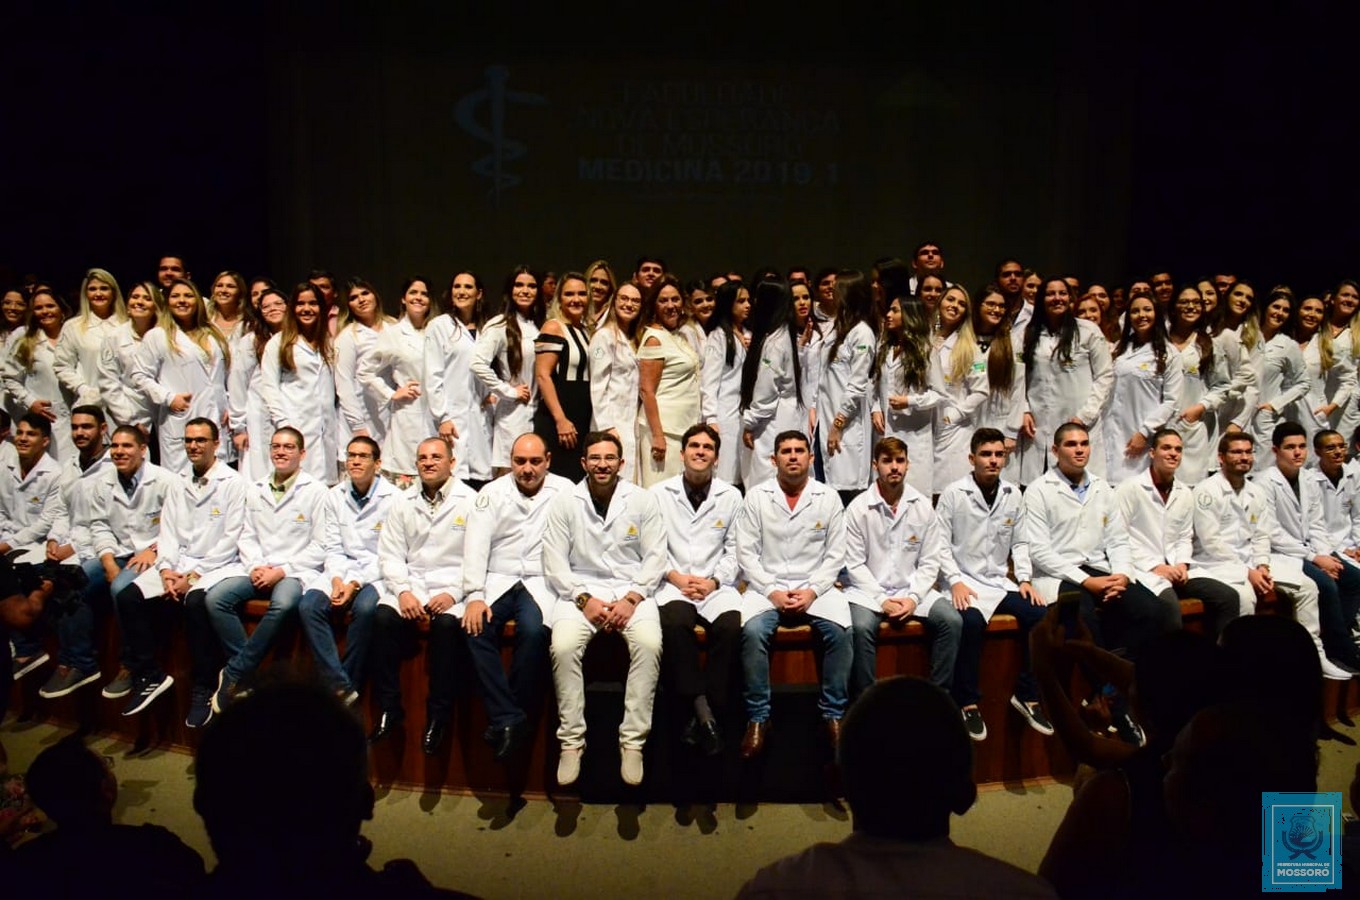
272	139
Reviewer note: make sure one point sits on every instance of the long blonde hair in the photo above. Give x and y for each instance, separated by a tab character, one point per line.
555	308
119	305
202	330
964	354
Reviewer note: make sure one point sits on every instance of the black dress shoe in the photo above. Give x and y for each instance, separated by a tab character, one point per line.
435	733
690	736
387	723
509	740
710	741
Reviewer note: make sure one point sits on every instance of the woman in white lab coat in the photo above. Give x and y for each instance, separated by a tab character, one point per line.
908	389
1236	328
1281	372
182	369
602	283
812	335
29	372
458	401
393	373
360	323
845	395
124	403
247	414
999	346
1068	372
1330	367
227	305
773	394
963	381
614	373
504	362
1148	382
1205	388
720	377
82	337
1343	322
297	380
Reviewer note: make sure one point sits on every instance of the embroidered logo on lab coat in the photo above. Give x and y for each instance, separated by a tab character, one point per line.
155	520
718	524
1008	521
215	512
483	501
818	526
458	522
631	534
1205	501
300	518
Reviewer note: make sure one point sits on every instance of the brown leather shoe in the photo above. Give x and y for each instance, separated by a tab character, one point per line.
753	741
833	731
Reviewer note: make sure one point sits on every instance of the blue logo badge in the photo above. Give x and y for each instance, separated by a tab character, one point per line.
1300	842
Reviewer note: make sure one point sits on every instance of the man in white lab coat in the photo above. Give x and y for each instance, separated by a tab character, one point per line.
1079	549
125	522
1159	512
790	547
1339	485
700	587
981	524
604	553
420	556
503	580
1299	531
356	510
283	547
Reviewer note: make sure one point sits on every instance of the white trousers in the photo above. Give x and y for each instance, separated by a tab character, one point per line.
569	639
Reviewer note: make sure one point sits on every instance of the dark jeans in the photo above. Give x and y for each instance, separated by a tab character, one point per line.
1338	602
837	656
315	611
680	668
509	700
966	691
392	636
1221	603
204	649
944	628
1127	622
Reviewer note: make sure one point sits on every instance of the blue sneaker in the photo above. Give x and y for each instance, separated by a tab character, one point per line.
200	707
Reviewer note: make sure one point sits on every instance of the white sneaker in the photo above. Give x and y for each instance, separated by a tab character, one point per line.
569	766
1333	671
631	768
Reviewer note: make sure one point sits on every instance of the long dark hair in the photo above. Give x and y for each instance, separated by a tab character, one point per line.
514	352
911	340
724	298
771	312
478	309
1000	353
1038	323
1203	341
1129	338
855	304
318	335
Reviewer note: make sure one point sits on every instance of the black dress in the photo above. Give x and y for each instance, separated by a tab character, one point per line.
571	378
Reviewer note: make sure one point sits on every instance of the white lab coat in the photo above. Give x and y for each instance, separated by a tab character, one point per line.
782	549
845	387
1141	401
607	558
1005	410
701	542
360	410
77	356
246	410
958	412
422	551
976	540
29	504
1298	528
1347	416
1232	529
511	418
124	525
915	425
397	358
352	535
1243	388
1340	509
1059	391
201	531
720	386
1066	532
125	403
1211	386
504	545
1336	385
892	554
305	399
456	395
1160	533
774	406
1282	379
289	532
614	397
161	374
77	487
39	382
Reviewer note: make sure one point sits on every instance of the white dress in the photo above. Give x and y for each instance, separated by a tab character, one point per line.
957	414
455	395
1142	400
677	402
491	366
305	399
845	387
720	389
189	369
614	392
397	358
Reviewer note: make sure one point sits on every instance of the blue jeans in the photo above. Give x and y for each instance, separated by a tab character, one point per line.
1338	600
508	700
837	657
943	625
315	612
224	602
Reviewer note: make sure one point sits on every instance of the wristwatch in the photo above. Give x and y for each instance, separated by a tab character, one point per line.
581	601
